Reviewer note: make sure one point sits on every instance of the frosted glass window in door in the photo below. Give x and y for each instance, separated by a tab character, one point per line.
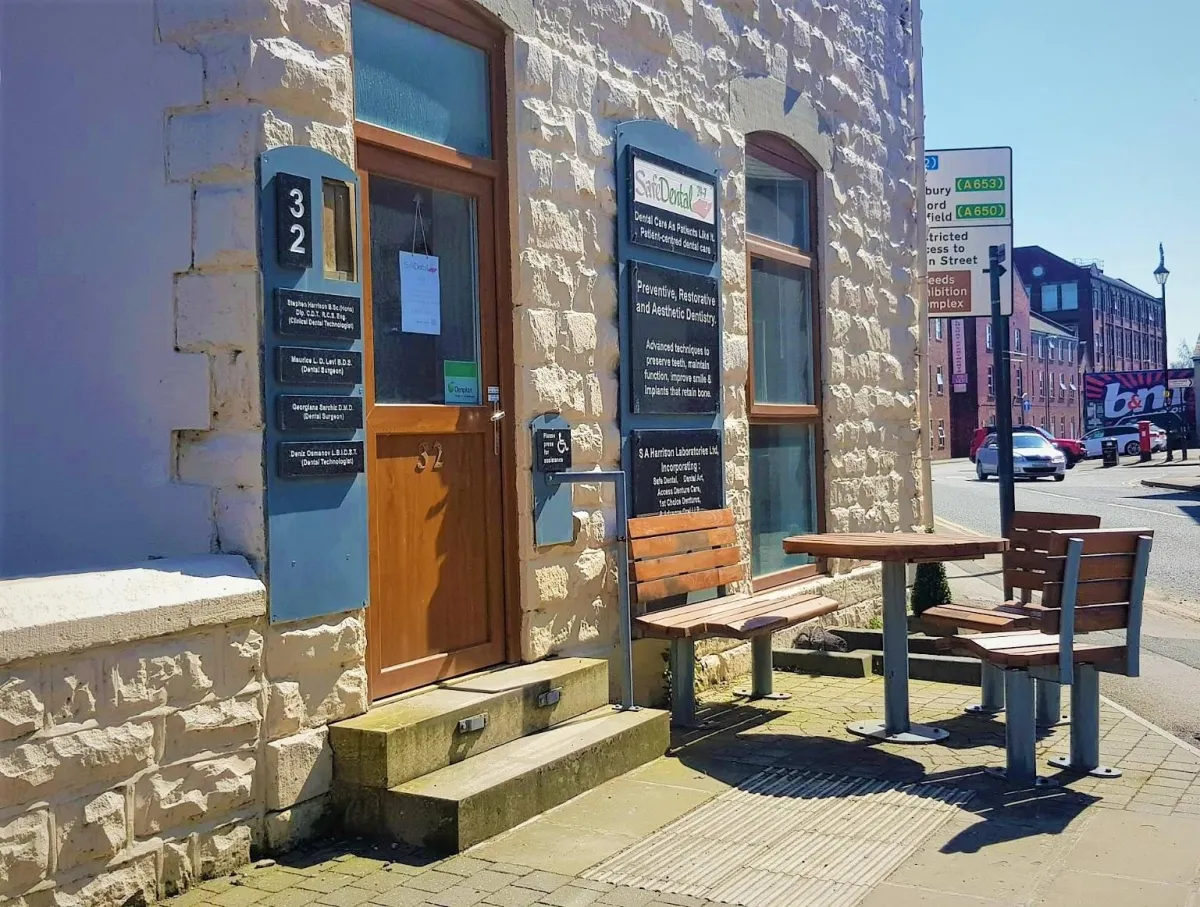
783	470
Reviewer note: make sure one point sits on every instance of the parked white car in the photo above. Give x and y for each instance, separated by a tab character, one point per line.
1128	440
1033	457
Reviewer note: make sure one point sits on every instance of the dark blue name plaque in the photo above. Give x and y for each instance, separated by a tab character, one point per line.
322	315
310	365
318	413
319	459
675	340
676	470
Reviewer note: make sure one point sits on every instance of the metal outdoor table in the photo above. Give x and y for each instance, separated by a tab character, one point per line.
896	549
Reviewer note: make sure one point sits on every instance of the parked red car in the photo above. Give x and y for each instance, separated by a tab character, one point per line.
1072	450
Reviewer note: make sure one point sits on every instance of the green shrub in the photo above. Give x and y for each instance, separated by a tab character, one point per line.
930	588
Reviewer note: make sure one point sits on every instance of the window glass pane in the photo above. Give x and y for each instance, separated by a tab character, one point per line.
1050	297
783	470
781	308
777	204
1069	295
411	79
429	352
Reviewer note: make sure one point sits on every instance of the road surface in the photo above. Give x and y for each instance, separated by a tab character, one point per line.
1168	692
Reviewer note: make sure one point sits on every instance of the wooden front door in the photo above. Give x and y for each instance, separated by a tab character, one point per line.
434	419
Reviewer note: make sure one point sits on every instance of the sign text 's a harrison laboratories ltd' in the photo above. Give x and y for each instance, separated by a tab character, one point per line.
968	207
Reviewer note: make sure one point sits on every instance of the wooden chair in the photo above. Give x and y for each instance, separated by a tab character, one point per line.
674	555
1093	580
1023	571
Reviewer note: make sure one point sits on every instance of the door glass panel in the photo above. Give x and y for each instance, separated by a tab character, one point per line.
426	322
783	493
414	80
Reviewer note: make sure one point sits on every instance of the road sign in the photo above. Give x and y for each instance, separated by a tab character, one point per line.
1026	406
1179	382
968	202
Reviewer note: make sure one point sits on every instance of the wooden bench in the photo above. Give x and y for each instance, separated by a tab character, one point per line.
1092	580
676	555
1024	570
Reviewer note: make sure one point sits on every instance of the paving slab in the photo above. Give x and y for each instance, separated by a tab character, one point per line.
1129	840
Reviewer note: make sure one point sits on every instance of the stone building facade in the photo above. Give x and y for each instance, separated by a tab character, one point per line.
161	726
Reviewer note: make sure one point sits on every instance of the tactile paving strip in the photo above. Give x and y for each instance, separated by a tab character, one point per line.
787	837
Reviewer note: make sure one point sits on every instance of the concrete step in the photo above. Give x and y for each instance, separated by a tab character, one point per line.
421	733
468	802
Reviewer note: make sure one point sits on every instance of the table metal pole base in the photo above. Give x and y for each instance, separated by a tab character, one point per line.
1100	771
916	733
1003	775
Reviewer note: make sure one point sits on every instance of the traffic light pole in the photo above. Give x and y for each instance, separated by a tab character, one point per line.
1000	368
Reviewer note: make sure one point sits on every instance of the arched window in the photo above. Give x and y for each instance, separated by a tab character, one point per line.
784	392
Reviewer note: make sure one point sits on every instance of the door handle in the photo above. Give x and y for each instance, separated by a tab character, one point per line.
496	418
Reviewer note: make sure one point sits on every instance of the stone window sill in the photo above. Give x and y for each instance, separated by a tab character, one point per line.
71	612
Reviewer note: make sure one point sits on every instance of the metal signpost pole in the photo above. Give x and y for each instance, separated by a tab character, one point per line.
1004	440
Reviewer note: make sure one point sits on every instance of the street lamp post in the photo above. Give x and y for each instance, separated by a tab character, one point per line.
1160	275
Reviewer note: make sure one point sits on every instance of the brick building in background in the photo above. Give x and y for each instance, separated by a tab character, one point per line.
1045	367
1120	326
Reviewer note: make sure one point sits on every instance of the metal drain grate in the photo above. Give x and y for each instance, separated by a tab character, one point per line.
787	837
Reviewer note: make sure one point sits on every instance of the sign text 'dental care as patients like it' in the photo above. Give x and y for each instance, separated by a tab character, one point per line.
968	207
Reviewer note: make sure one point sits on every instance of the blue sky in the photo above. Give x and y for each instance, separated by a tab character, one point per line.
1100	101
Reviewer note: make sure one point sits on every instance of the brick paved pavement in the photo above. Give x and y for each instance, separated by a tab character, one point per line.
1134	840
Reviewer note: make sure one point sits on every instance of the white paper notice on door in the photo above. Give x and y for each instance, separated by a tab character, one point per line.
420	294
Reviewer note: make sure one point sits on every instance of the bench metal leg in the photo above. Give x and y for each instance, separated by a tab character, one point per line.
762	671
991	691
683	682
1085	727
1020	740
1048	696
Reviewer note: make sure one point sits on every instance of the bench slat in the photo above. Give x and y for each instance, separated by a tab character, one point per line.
1034	519
1032	649
959	617
1094	592
1088	619
692	582
641	527
1098	541
752	617
682	542
657	568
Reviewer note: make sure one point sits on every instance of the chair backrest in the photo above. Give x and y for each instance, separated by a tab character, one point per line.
1024	562
677	553
1096	580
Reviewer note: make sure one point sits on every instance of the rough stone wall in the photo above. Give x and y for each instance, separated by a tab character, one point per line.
591	64
150	765
276	72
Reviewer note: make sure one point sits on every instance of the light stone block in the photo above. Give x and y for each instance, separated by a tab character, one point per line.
297	651
132	881
179	795
90	829
156	673
178	874
223	850
287	829
280	73
236	393
71	690
214	144
24	852
217	310
92	756
186	22
243	657
320	24
298	768
212	727
21	707
226	231
221	458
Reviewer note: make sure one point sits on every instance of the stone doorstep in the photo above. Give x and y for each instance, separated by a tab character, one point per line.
417	734
462	804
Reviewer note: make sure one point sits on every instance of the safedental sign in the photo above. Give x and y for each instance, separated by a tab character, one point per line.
968	207
672	207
